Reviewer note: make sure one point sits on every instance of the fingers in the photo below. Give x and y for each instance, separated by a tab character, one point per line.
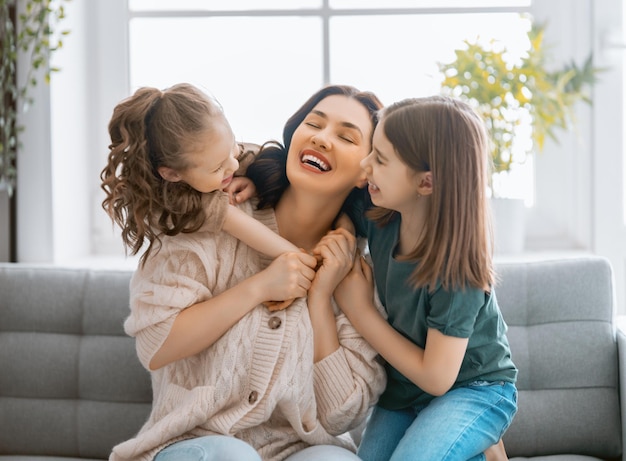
274	306
340	242
300	266
309	260
240	189
366	269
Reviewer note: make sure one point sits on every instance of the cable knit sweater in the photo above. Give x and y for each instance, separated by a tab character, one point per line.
258	382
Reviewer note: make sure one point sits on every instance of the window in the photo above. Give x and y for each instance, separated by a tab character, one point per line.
262	62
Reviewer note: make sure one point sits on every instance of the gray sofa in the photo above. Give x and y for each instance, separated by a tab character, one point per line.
71	386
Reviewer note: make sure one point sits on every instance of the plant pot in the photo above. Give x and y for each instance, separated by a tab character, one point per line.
509	225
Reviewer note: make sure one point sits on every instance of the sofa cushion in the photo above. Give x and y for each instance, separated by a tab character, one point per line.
68	367
560	317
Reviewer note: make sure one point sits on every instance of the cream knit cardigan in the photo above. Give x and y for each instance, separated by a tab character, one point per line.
258	382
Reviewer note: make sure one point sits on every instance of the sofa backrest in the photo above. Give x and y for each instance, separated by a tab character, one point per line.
70	381
71	384
562	334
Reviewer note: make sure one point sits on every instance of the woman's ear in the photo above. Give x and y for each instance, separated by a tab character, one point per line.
425	183
169	174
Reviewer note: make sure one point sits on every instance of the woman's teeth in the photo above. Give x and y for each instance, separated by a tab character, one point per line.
316	162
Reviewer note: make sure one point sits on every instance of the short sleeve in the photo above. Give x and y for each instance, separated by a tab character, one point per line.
454	312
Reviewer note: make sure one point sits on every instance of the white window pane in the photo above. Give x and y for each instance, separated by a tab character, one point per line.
220	5
397	56
427	3
260	78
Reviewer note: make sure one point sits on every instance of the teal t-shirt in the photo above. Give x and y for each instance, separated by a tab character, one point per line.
471	313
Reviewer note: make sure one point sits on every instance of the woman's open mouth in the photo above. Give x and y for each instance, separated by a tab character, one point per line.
314	160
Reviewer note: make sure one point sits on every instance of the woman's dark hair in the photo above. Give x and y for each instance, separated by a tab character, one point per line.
269	172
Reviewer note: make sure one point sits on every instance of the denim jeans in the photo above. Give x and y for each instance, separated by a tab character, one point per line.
459	425
225	448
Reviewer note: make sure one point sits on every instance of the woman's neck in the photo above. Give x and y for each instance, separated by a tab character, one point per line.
304	220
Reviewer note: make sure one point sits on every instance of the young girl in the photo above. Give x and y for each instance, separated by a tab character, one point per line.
172	155
451	381
232	380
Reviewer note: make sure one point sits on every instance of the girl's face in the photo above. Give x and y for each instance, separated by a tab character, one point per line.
327	147
392	184
212	160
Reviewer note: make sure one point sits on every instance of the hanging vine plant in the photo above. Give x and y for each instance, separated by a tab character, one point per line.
28	30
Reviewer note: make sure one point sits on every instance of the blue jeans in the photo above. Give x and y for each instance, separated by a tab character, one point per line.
459	425
225	448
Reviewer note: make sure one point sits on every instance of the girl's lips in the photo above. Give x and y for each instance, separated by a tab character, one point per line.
372	188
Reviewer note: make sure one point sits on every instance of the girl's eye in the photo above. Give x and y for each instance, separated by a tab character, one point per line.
313	125
347	139
378	160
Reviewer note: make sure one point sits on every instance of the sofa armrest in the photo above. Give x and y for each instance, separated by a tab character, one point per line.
621	347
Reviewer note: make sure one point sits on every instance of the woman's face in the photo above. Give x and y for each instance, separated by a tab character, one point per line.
327	147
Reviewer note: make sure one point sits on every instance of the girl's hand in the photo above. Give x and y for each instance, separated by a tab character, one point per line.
336	250
289	276
356	290
240	189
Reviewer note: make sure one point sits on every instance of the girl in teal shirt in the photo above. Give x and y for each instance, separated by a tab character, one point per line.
451	381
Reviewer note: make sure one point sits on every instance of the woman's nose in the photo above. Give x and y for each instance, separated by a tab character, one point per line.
321	140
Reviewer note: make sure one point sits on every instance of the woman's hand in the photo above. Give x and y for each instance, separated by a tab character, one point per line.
336	250
289	276
356	290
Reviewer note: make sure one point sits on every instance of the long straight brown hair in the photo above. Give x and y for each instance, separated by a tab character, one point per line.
448	138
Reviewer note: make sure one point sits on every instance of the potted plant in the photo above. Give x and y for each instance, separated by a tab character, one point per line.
27	32
522	102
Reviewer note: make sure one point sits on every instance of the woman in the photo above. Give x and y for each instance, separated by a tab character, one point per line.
232	379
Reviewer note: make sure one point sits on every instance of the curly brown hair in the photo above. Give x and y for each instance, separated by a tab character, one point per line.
149	130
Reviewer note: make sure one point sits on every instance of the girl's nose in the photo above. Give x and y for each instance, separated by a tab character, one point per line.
365	163
234	163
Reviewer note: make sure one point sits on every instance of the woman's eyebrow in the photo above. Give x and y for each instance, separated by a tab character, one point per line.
346	124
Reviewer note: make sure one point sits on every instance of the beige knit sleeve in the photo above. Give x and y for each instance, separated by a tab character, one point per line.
171	280
349	381
215	206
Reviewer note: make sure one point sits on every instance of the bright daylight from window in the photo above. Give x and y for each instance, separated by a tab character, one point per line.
262	67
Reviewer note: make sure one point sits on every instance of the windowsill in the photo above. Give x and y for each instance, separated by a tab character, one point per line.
542	255
102	262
